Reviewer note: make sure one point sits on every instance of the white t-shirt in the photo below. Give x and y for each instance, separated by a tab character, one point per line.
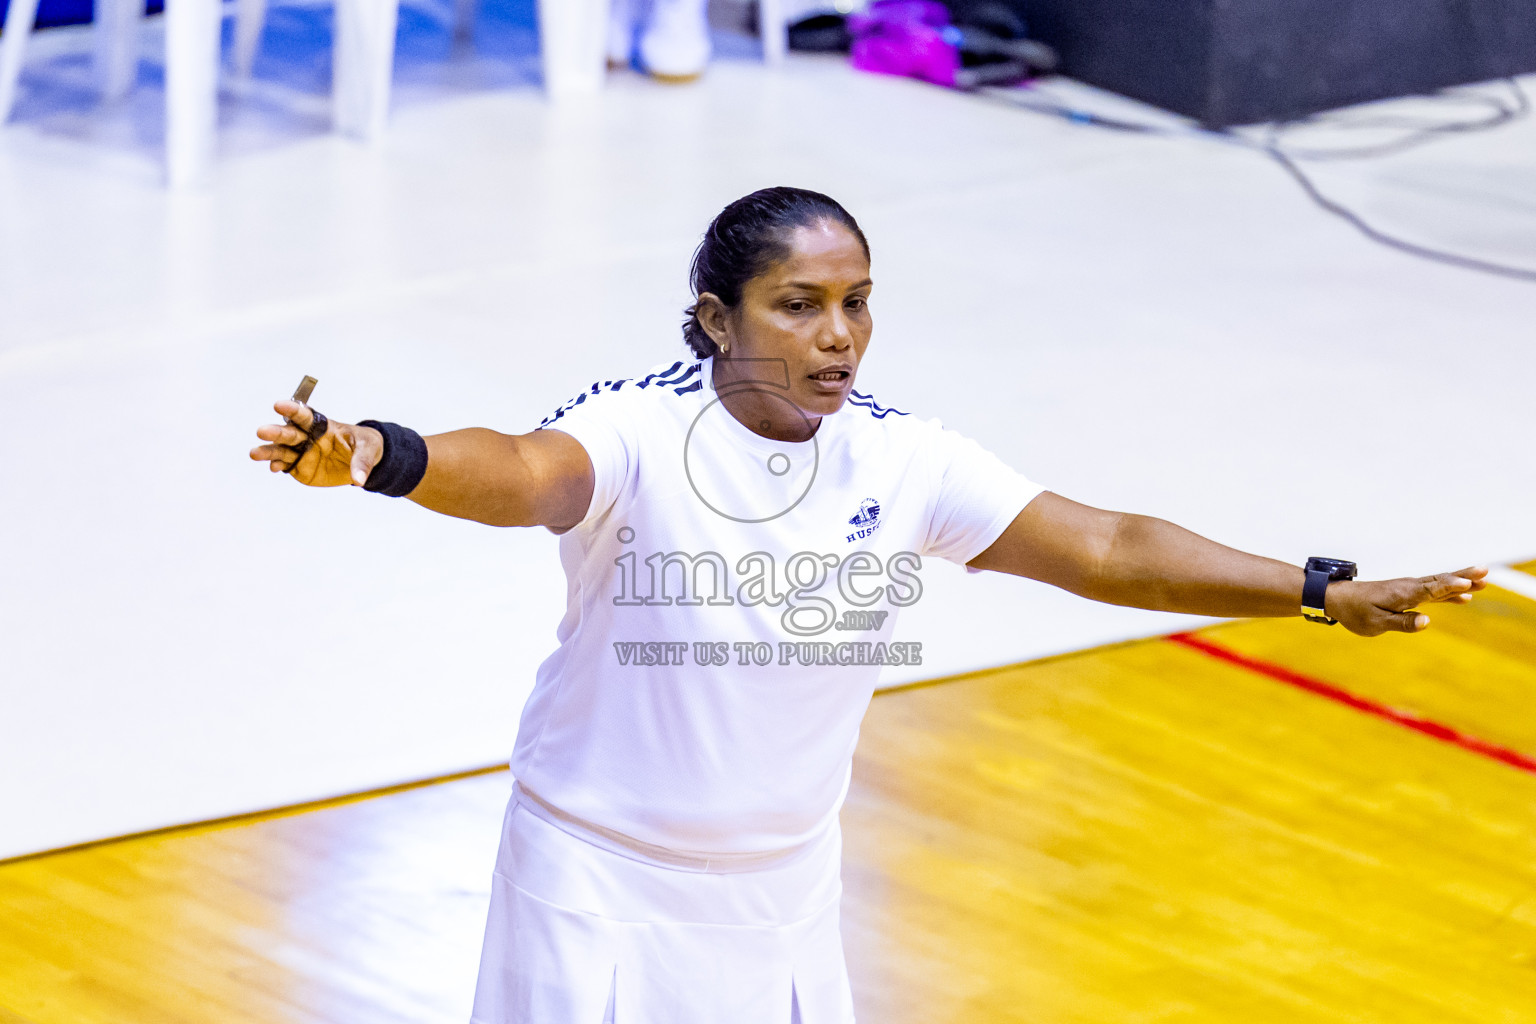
729	602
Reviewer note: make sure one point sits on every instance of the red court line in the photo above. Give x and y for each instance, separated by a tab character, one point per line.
1407	719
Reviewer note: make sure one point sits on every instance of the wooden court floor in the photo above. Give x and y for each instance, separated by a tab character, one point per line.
1162	831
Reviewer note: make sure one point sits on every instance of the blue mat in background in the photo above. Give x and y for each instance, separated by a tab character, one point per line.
68	12
78	12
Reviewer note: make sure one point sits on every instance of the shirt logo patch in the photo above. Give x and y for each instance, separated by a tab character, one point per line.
866	519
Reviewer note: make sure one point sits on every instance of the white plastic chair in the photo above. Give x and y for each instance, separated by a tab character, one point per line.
191	72
116	57
363	60
573	37
19	19
364	65
191	89
773	23
117	52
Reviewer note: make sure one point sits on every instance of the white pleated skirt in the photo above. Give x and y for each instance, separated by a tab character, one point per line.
581	933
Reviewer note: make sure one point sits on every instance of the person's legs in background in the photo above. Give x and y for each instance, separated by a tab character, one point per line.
674	37
621	32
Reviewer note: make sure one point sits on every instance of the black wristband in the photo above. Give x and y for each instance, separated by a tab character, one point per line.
403	463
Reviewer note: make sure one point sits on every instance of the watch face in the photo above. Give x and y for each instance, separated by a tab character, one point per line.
1336	568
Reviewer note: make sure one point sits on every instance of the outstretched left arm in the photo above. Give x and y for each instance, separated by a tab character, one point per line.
1143	562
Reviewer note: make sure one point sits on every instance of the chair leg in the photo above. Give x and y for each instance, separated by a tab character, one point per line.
250	20
464	12
13	44
774	30
116	38
573	43
191	88
364	65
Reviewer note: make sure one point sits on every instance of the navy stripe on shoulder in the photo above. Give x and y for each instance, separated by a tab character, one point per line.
673	377
674	382
652	378
595	389
876	410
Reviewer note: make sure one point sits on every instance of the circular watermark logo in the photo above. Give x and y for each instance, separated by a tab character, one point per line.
761	486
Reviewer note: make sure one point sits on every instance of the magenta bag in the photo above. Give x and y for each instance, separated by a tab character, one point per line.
911	38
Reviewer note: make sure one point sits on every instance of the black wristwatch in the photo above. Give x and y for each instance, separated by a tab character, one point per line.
1314	594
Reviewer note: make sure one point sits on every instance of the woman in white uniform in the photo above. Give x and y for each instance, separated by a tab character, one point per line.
739	532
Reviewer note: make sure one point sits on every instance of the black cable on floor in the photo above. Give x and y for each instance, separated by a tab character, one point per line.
1361	225
1420	133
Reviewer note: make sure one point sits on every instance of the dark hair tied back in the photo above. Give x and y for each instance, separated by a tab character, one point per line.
748	237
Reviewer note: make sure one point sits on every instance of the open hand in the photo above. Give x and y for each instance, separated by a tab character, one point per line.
345	454
1371	608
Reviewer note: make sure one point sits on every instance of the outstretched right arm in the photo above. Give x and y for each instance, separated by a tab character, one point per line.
539	479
